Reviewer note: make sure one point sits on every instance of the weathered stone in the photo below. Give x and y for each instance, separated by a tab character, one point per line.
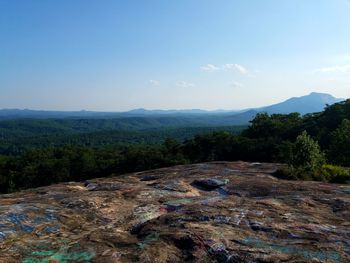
235	212
210	183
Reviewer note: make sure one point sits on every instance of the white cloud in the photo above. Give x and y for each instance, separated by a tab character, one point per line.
335	69
154	82
184	84
226	67
209	68
235	67
236	85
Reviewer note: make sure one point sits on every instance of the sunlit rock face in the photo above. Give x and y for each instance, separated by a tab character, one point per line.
213	212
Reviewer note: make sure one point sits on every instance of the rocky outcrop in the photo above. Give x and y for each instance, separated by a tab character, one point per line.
214	212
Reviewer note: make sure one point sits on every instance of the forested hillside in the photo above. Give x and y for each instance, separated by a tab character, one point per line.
51	157
18	136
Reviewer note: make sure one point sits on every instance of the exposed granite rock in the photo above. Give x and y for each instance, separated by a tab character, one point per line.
162	216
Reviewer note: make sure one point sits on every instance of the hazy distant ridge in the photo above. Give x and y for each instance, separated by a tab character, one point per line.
314	102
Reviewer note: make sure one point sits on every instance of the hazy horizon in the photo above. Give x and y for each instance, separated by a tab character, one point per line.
198	54
164	109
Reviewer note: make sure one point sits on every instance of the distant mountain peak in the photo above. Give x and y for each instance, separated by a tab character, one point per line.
315	93
321	95
313	102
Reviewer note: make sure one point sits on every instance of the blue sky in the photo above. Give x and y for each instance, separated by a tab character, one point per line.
118	55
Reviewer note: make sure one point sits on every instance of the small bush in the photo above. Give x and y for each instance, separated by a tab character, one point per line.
292	173
286	173
327	173
335	174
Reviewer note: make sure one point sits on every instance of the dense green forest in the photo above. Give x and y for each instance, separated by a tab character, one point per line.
18	136
41	152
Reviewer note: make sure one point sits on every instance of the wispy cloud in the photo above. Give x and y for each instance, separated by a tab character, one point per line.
236	68
335	69
236	85
209	68
226	67
154	82
184	84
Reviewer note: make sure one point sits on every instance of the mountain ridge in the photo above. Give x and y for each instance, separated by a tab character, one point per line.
313	102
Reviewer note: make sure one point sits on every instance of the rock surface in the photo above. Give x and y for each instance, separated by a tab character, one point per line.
162	216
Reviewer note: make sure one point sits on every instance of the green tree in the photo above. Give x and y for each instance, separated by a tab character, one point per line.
172	152
339	149
278	126
306	154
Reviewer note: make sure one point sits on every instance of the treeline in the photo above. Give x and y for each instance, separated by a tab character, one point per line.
74	163
17	137
306	143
